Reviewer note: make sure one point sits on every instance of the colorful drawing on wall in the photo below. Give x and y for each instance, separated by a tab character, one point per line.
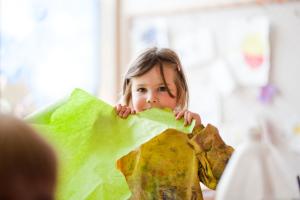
253	51
148	32
267	93
248	51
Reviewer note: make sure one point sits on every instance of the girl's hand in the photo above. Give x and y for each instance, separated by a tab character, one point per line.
188	117
123	111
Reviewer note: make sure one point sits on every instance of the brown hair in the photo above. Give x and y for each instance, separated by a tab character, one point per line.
157	57
27	162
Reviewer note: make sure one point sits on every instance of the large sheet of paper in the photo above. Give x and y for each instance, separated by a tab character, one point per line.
89	137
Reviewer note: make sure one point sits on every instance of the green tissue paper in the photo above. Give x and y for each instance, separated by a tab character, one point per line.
89	138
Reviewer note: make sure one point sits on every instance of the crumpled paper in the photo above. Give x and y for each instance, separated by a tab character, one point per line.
166	167
171	165
89	138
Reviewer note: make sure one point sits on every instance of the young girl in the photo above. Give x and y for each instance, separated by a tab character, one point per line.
156	79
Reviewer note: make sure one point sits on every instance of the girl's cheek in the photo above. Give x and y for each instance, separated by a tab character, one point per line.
138	104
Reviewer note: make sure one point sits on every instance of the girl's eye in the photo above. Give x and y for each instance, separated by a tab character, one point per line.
162	89
142	90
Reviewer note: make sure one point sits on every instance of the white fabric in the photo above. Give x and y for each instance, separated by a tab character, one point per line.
263	168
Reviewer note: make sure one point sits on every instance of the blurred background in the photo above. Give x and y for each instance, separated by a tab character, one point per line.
241	57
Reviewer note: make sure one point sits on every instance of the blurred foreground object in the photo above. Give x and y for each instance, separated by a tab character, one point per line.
28	165
264	167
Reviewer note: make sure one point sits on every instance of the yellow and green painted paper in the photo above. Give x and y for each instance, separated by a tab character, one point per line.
89	138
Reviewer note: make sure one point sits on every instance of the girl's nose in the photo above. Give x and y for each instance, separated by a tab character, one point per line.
152	99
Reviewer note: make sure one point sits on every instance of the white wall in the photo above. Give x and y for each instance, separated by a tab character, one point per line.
241	109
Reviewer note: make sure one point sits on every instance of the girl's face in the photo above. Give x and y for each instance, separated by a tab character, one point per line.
149	91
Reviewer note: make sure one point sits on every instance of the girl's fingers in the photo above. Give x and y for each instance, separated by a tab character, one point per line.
189	118
180	114
122	111
185	116
126	112
197	119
